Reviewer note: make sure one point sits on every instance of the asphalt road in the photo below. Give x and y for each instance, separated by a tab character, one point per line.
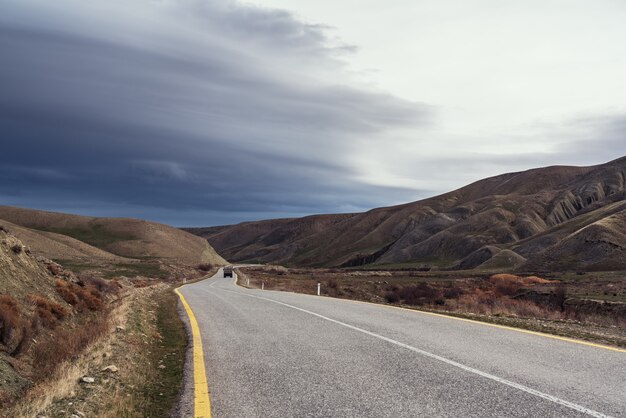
277	354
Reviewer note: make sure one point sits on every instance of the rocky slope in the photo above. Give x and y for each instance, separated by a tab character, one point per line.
20	271
542	219
21	275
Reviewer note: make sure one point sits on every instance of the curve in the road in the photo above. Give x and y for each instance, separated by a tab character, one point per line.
328	372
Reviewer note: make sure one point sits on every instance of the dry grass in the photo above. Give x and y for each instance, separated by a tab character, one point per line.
487	303
44	336
150	335
63	379
66	343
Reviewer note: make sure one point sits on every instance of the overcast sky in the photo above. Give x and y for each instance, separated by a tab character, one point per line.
207	112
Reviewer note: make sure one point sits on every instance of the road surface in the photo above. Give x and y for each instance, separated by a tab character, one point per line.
278	354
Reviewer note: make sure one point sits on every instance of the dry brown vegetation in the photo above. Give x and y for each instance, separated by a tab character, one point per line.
575	302
41	333
14	328
205	267
82	298
48	313
142	335
64	343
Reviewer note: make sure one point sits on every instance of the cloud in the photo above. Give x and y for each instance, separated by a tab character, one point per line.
598	138
207	112
457	160
199	106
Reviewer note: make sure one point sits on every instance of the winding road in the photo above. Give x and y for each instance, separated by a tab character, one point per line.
278	354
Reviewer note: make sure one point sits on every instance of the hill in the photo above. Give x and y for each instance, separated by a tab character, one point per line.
77	238
538	219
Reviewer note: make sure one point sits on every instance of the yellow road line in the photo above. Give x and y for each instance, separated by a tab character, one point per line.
201	400
473	321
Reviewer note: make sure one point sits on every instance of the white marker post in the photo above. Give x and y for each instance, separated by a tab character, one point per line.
262	285
184	280
318	288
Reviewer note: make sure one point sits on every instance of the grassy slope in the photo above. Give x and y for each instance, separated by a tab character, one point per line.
130	238
98	235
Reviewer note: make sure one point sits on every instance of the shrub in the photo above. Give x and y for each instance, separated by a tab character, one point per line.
453	292
506	284
421	294
508	288
205	267
101	285
559	297
47	312
9	318
511	278
14	330
392	297
81	298
63	289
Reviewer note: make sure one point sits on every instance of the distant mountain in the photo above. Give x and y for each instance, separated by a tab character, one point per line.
66	237
552	218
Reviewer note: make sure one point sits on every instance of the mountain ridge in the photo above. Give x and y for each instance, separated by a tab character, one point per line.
524	213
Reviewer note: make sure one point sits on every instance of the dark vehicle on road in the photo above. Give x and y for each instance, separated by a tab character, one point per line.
228	271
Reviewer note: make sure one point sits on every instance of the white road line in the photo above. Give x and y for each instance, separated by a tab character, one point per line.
469	369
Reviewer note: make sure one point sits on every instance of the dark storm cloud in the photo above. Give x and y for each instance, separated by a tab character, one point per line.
185	105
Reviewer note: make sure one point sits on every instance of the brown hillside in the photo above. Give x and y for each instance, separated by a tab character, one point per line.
598	246
526	213
59	247
120	237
